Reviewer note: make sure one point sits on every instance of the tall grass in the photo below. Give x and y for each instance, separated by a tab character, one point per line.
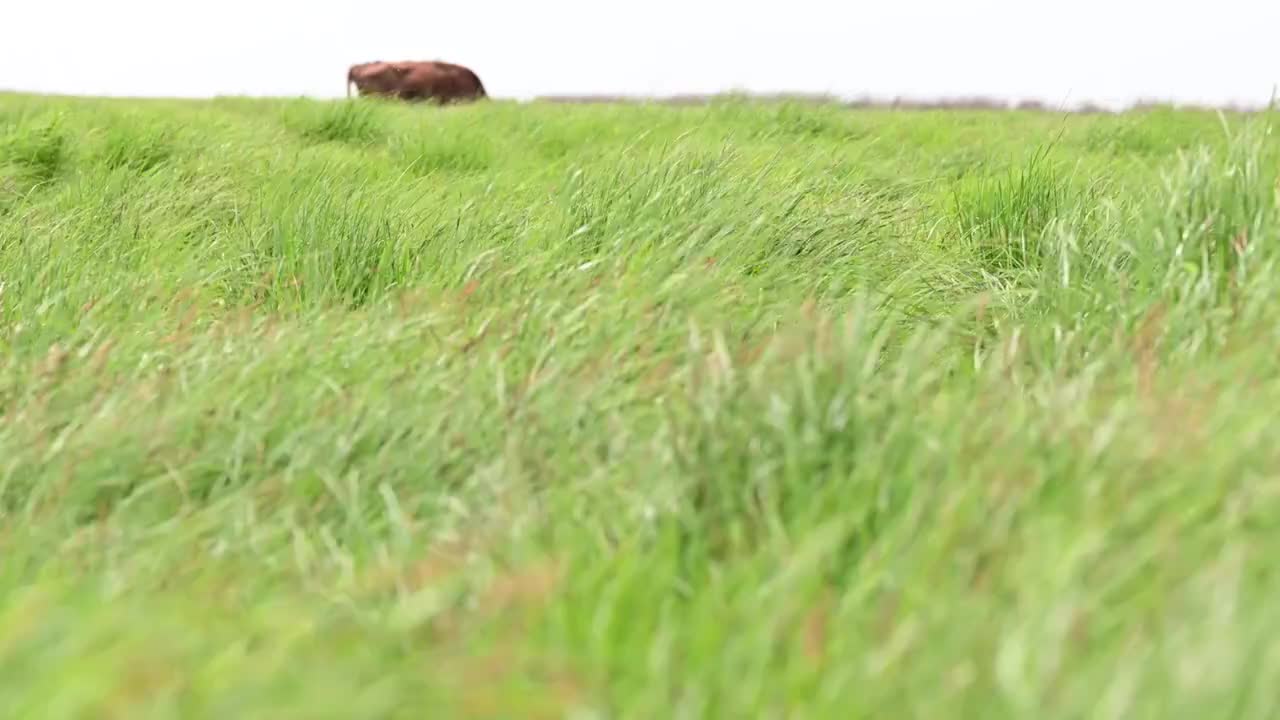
345	122
359	410
33	153
1004	216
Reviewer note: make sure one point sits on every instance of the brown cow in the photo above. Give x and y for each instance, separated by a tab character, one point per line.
432	80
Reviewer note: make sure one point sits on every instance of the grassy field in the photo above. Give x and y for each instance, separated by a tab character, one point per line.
350	410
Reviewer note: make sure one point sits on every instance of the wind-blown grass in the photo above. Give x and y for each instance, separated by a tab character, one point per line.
32	153
343	122
360	410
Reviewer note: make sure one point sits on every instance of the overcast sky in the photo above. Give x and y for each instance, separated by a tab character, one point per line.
1107	51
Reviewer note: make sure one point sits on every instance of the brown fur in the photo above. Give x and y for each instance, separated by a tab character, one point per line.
436	81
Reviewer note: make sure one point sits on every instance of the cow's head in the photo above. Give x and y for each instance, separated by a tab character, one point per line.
375	78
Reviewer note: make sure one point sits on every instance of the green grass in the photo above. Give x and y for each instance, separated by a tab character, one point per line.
359	410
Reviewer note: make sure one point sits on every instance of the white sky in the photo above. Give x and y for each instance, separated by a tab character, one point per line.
1060	51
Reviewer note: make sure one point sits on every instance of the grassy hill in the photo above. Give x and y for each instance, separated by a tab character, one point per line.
352	410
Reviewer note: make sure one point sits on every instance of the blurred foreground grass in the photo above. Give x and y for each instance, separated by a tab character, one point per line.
346	410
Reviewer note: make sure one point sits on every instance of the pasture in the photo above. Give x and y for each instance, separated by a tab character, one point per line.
359	410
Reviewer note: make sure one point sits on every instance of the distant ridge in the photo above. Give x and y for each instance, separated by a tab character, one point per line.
897	103
970	103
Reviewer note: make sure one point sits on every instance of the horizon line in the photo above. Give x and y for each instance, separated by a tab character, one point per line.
864	101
